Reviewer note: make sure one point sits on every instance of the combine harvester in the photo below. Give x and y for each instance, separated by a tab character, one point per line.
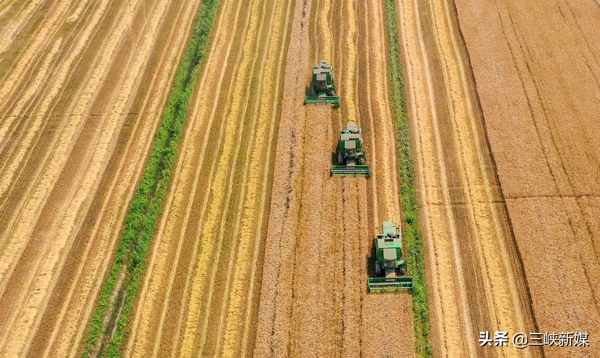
322	87
389	263
350	156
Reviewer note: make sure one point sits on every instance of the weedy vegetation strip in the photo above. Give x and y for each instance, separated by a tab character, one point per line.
146	207
412	233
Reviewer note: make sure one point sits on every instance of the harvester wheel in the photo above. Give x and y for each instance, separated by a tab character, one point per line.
340	159
377	268
360	161
401	270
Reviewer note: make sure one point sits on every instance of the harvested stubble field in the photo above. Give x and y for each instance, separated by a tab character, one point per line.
475	275
259	251
313	297
80	97
537	68
199	295
83	88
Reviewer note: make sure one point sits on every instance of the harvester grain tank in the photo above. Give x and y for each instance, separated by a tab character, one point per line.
323	86
390	267
350	155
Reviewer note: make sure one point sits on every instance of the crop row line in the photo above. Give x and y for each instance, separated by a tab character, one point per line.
128	268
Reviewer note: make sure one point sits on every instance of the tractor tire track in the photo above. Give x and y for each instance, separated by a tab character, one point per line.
284	202
239	108
17	233
251	313
440	253
320	228
151	107
547	164
179	168
29	277
204	299
17	22
33	251
16	90
144	331
281	11
468	219
44	108
509	293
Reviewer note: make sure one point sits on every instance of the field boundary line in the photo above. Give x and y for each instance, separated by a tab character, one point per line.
108	199
406	171
169	200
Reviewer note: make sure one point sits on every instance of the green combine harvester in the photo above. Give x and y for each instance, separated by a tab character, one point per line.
350	155
322	86
389	265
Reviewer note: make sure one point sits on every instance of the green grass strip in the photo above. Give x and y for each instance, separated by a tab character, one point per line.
146	206
412	233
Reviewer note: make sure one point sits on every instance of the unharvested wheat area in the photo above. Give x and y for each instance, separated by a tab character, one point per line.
178	178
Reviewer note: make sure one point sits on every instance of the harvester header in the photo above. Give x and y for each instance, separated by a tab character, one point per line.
389	264
391	285
322	86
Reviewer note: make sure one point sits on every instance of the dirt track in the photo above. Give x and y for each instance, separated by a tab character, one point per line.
80	96
537	69
474	273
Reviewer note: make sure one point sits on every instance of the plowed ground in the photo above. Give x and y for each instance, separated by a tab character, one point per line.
475	275
82	86
537	67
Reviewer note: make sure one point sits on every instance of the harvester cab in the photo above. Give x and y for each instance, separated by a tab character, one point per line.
323	86
390	267
350	155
